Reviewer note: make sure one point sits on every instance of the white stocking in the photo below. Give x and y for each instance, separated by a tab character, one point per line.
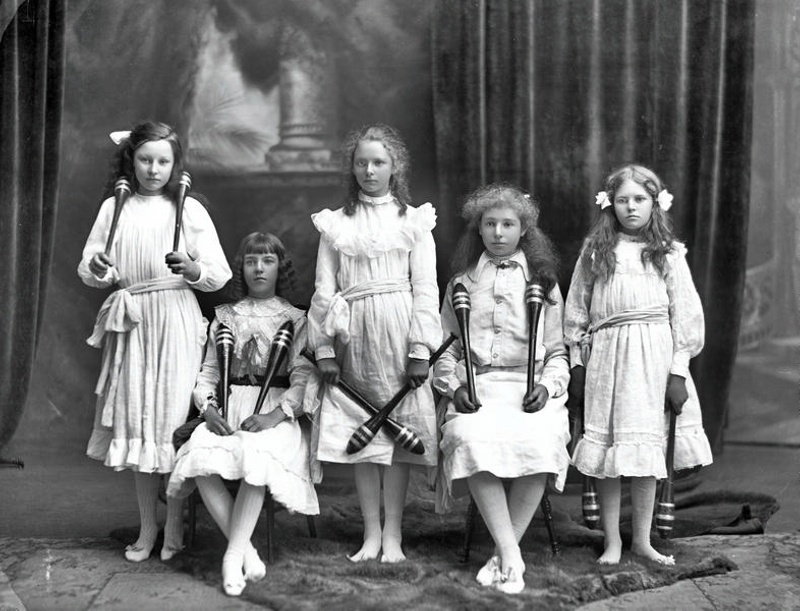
490	497
368	486
147	485
610	492
523	500
219	503
395	486
643	498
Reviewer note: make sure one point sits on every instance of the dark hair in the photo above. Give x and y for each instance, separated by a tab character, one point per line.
394	144
260	243
536	246
122	165
598	247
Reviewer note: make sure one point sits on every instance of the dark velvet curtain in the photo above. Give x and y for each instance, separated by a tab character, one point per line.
554	94
32	72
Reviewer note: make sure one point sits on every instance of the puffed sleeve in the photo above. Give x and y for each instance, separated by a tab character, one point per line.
576	311
555	372
299	370
426	328
202	244
685	312
208	378
446	379
325	287
96	243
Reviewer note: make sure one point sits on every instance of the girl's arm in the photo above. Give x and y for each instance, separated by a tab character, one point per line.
576	312
685	313
555	372
208	378
426	328
325	287
96	243
445	371
202	245
299	370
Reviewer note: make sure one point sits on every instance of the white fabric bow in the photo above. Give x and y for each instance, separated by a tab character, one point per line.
117	137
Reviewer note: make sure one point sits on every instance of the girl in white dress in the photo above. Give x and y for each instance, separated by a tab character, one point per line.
633	320
374	322
511	435
150	329
268	449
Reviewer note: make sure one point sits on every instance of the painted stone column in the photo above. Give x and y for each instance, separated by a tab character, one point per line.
308	99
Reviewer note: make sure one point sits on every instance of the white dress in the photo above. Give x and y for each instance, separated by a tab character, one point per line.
151	329
277	457
375	305
500	437
656	327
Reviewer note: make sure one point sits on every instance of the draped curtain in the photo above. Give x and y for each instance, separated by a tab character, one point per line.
32	73
553	94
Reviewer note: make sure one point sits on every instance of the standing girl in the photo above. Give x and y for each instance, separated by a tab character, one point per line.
374	321
633	307
510	435
150	329
268	449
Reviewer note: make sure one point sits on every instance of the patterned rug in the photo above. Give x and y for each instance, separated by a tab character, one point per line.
314	573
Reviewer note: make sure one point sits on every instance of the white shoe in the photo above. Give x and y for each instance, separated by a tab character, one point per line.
490	572
511	582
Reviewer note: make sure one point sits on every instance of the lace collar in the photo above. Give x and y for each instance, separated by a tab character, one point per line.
375	201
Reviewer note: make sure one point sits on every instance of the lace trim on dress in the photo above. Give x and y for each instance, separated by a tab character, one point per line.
245	318
376	238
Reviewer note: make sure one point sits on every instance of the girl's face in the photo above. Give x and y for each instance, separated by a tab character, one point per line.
633	206
501	231
153	162
260	273
372	167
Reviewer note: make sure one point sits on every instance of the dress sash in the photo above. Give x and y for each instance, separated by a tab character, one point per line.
657	314
118	315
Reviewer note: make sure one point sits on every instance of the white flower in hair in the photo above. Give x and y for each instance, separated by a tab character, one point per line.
601	199
664	200
117	137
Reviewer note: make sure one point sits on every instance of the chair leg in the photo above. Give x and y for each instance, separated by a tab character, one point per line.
548	522
469	529
269	504
194	499
312	527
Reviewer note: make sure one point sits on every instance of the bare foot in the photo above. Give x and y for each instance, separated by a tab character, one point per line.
368	551
612	553
392	550
649	552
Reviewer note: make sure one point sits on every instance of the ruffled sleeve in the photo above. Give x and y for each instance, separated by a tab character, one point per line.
426	329
576	311
685	312
96	243
202	244
325	287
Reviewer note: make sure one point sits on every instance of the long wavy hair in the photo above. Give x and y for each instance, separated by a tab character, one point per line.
394	144
536	246
260	243
598	247
122	165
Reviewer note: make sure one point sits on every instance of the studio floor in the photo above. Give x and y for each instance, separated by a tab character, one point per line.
60	494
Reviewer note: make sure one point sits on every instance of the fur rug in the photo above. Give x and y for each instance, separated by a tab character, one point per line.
313	573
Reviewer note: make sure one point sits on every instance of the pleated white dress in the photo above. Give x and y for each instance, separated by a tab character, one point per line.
277	457
501	438
150	329
659	327
375	305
